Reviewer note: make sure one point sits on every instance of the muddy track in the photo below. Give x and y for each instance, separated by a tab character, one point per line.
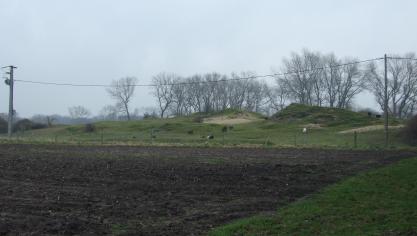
94	190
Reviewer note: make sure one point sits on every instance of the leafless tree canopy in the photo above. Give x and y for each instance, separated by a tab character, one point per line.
316	79
402	85
109	112
308	77
207	93
163	91
122	91
278	96
78	112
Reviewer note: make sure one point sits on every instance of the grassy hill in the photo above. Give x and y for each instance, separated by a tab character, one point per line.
281	130
327	116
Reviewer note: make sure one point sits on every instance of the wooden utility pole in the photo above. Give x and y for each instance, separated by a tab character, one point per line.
386	100
10	82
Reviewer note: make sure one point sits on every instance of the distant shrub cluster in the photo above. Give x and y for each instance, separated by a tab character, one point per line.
26	124
20	125
89	128
198	119
410	131
227	128
3	126
148	115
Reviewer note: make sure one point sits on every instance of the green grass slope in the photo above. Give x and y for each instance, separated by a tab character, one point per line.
325	116
282	130
381	202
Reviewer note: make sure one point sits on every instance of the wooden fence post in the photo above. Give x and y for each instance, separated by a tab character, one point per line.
355	139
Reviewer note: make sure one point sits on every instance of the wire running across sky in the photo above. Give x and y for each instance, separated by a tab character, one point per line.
212	81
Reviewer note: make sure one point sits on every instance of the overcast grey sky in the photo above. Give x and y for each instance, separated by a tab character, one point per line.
86	41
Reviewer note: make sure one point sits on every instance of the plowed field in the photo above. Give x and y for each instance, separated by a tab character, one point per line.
99	190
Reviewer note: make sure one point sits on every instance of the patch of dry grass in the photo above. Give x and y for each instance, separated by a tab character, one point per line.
369	128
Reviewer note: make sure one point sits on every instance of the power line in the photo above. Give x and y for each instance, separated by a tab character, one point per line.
61	84
207	81
403	58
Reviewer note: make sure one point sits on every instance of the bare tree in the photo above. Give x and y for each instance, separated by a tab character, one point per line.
331	78
210	92
78	112
278	96
256	96
122	91
163	91
194	90
109	112
375	83
341	83
303	77
323	80
179	94
402	85
238	89
350	84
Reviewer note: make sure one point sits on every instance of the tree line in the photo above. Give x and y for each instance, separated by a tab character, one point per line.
307	77
209	92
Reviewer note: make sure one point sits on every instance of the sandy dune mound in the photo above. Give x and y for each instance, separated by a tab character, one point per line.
231	119
369	128
311	126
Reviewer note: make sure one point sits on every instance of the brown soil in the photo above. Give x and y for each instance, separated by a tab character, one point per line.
87	190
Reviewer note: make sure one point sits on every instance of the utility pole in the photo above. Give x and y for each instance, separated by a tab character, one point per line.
10	82
386	100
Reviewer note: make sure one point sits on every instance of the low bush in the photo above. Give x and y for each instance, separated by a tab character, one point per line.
39	126
26	124
224	129
198	119
89	128
3	126
227	128
410	131
147	115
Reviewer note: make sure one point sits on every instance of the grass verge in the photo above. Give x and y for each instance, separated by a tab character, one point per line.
380	202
